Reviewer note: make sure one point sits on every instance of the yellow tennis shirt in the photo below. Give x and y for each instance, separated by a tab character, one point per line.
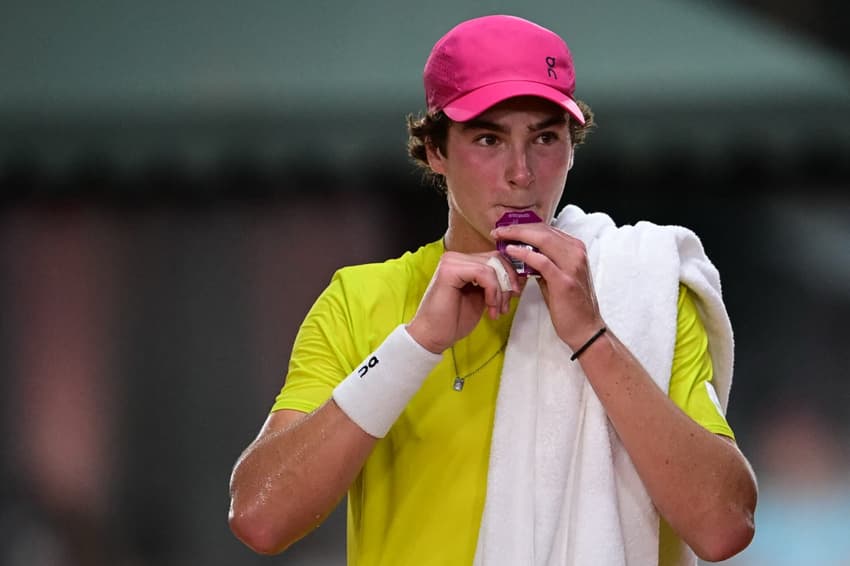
420	495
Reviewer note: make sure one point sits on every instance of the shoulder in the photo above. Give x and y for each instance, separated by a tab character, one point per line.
392	274
384	293
690	326
631	240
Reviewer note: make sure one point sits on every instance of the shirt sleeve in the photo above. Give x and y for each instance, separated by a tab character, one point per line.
691	385
323	353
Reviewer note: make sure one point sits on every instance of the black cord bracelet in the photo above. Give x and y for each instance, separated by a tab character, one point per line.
587	344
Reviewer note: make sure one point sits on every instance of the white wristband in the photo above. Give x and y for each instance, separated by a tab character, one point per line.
375	394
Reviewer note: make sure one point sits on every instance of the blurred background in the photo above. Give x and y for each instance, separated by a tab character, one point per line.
178	182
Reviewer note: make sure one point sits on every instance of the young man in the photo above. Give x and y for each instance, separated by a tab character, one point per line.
476	416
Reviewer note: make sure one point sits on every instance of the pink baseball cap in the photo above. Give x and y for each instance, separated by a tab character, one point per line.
484	61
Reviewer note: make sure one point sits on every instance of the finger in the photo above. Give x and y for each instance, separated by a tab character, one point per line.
516	283
540	262
528	233
542	236
504	279
492	279
575	278
501	272
513	276
492	298
492	292
509	279
562	249
482	276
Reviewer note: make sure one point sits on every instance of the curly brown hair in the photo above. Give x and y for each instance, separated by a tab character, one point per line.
433	129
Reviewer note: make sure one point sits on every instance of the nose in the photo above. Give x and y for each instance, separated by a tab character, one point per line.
519	171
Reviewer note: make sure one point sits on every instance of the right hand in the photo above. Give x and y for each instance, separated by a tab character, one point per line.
463	285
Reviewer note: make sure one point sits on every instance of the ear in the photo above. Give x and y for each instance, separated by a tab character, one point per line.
435	158
572	157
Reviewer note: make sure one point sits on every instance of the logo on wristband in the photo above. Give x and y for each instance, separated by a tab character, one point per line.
373	361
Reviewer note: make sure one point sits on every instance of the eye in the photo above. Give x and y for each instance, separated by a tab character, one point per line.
547	138
486	140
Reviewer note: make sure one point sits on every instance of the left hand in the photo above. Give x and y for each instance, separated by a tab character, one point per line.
565	279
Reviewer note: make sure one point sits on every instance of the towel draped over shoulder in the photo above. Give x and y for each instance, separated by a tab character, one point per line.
561	489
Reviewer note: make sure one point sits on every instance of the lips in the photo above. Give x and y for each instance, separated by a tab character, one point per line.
503	209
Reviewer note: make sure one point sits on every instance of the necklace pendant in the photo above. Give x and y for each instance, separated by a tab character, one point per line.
458	384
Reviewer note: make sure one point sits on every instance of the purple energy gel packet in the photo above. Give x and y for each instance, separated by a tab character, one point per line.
517	217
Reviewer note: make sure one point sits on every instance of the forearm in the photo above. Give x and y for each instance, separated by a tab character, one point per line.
288	480
299	467
700	483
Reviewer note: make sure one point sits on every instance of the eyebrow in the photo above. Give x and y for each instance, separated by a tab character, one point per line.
479	124
548	123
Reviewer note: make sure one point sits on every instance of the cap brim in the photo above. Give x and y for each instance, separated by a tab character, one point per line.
472	104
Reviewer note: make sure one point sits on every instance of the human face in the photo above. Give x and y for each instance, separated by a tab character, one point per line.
515	156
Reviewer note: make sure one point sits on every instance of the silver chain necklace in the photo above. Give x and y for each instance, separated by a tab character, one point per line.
460	380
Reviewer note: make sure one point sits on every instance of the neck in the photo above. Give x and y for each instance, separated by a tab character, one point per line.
471	243
466	241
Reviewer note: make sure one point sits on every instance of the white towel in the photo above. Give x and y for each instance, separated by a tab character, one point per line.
561	489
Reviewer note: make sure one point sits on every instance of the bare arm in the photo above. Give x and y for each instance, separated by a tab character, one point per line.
299	467
699	482
291	477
